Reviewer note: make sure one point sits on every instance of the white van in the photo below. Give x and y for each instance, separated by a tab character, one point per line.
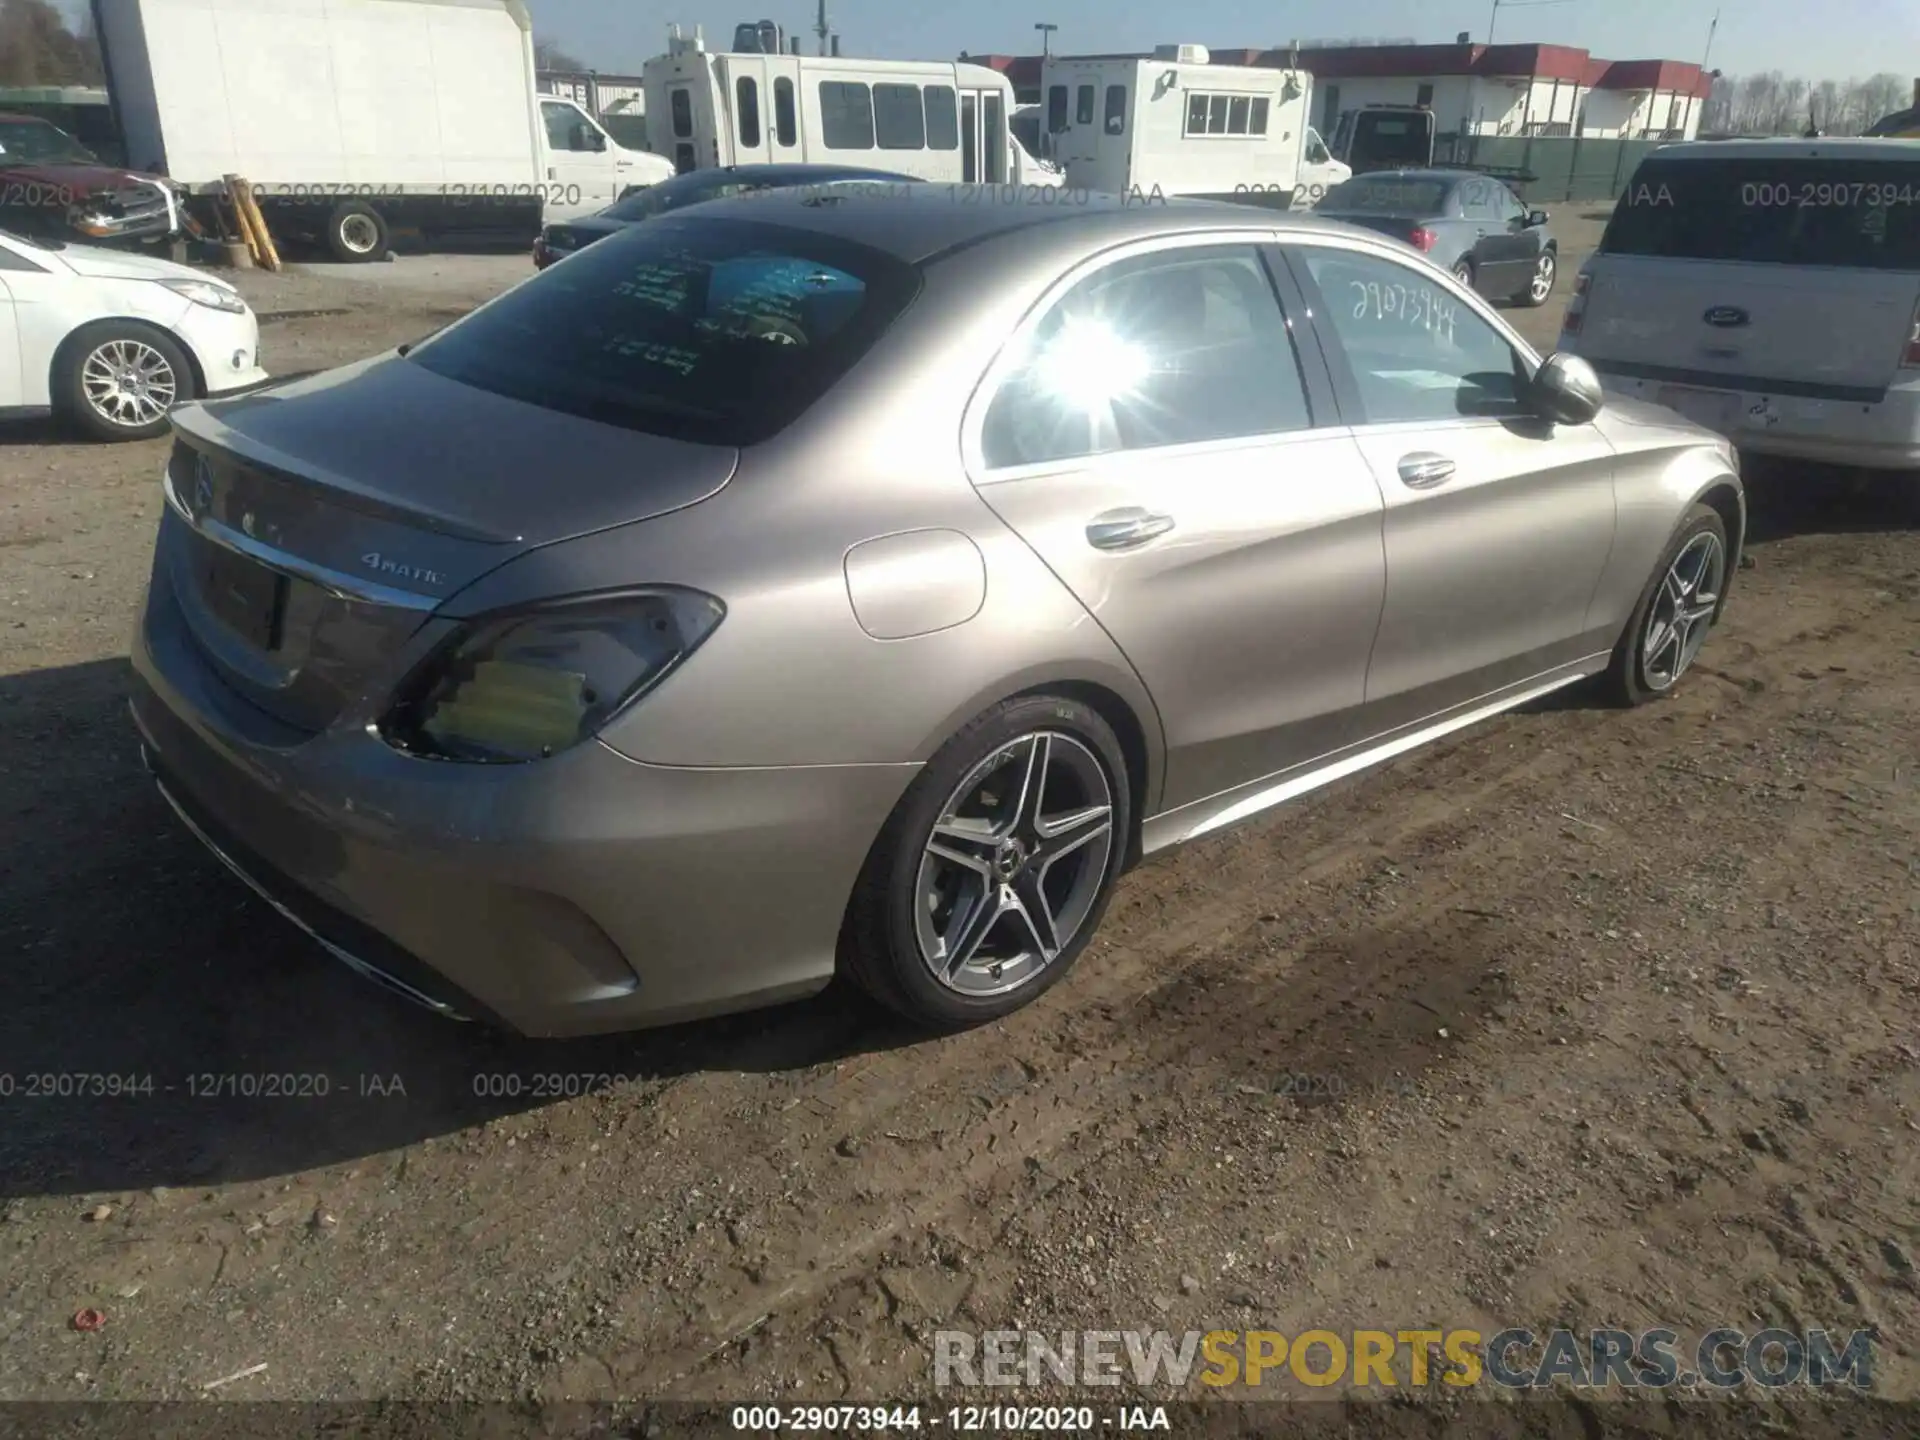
935	119
1769	290
1181	125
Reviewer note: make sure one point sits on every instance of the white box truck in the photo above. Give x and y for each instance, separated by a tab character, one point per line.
355	118
1179	125
934	119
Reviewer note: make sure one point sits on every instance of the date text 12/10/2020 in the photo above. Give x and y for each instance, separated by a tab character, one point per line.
961	1419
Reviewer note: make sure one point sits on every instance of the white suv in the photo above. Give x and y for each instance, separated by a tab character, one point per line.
1769	290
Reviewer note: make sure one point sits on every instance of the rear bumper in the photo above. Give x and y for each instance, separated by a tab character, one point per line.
583	894
1881	434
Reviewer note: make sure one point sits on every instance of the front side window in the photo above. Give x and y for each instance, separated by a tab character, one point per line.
1416	353
716	331
846	115
563	123
1172	348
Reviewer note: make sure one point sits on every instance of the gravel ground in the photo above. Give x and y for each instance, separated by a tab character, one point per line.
1582	1017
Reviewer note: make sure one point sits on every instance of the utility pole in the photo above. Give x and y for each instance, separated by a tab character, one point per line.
1046	30
821	28
1710	29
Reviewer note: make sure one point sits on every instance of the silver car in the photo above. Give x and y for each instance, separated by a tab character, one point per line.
811	585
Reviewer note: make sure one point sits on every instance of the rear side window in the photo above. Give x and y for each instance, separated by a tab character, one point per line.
899	117
717	331
786	127
943	122
1851	214
1116	109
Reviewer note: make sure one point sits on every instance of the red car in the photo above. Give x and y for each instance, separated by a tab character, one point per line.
52	187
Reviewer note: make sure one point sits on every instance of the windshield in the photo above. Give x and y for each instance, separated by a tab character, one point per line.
1853	214
37	142
1371	196
717	331
1392	136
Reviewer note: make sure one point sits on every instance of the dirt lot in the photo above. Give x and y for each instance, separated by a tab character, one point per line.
1583	1017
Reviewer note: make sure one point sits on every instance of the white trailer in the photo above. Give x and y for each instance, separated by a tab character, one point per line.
353	118
934	119
1180	125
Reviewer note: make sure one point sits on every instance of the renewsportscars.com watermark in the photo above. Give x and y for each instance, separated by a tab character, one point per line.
1515	1359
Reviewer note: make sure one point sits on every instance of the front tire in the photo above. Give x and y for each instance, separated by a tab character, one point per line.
995	868
119	381
1676	610
356	233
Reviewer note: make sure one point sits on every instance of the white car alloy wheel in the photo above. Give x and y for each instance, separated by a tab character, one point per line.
128	383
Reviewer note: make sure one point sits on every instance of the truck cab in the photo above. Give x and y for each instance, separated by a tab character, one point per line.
937	120
1385	137
586	168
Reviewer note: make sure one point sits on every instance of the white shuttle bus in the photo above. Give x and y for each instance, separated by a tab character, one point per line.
936	119
1180	125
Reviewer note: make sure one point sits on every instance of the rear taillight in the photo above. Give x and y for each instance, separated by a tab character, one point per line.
1576	304
1911	360
1422	239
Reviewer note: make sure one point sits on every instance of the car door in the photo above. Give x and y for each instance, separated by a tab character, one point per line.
580	177
12	391
1498	524
1159	439
1504	249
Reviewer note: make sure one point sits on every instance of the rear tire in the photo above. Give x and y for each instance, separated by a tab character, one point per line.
119	380
982	889
1539	287
1463	272
356	233
1679	606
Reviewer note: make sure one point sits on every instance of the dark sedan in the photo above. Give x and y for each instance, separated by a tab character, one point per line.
558	241
1468	223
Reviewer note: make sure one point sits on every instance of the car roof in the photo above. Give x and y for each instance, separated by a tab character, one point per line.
1879	148
1440	177
921	223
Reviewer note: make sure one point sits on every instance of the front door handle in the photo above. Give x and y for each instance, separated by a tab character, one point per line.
1423	470
1124	529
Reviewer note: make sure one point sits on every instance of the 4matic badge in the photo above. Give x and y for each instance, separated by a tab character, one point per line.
386	565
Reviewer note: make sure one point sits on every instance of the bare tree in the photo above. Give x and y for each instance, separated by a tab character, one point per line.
37	48
547	55
1779	104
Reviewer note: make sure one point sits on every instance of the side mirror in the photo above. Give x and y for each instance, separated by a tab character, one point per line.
1566	390
1535	218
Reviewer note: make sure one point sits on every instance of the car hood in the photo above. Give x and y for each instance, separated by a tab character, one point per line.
77	176
395	442
100	263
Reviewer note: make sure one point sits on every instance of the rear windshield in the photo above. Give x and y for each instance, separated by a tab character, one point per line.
1371	196
1854	214
717	331
676	194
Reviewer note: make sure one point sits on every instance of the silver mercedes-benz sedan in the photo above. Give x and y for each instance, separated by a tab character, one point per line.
859	584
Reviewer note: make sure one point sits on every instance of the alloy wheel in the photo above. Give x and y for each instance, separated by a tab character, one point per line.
1541	286
1682	611
359	233
128	383
1014	865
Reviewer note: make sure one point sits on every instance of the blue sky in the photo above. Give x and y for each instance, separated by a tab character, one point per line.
1849	37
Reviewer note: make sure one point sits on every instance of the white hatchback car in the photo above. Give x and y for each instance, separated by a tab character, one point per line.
111	341
1769	290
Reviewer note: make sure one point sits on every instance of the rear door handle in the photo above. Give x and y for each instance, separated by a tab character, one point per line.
1423	470
1127	528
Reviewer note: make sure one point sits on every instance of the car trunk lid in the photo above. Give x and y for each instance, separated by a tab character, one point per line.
316	526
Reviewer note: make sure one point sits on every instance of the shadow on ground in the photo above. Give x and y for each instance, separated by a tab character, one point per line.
136	963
